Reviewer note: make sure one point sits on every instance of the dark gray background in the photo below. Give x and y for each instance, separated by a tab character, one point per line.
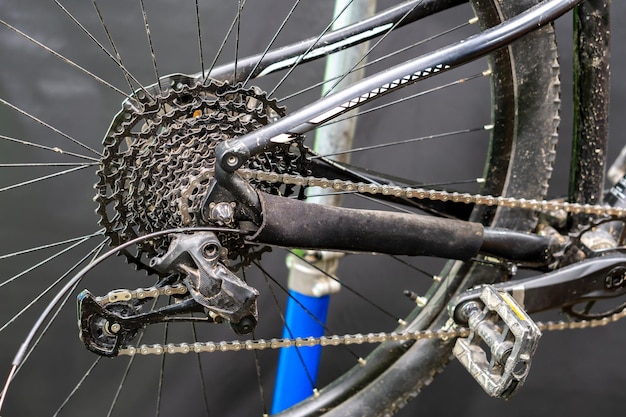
574	373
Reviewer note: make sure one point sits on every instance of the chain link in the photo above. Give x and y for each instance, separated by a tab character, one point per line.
262	344
141	293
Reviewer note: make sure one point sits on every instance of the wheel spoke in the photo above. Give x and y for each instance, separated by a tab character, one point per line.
405	141
382	38
63	58
76	242
48	126
283	320
257	368
31	348
312	47
410	97
123	379
117	60
224	41
78	385
149	38
271	42
200	48
367	53
56	150
22	357
203	385
349	288
257	363
44	177
159	395
237	35
267	276
73	268
121	384
48	164
363	65
50	245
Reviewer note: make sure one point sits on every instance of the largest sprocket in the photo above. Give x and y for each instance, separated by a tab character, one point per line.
159	158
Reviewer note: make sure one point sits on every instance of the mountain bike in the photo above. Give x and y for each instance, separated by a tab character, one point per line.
206	179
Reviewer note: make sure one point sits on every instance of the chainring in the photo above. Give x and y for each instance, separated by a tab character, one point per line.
159	159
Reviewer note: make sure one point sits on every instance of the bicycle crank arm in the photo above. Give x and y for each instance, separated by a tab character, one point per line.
299	224
592	279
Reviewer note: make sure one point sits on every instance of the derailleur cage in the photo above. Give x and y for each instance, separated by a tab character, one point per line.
107	324
106	327
102	329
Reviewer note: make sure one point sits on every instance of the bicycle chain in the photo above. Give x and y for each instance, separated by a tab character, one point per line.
434	195
335	340
348	186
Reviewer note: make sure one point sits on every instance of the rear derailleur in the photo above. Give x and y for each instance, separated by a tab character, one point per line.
199	282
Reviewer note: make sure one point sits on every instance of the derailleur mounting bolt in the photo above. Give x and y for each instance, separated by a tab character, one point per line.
222	213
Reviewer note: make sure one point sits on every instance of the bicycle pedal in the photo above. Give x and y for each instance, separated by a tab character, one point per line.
510	337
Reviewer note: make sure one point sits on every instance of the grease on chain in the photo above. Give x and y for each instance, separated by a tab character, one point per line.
335	340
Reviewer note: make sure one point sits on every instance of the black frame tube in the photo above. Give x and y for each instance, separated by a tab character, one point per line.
295	223
591	103
299	224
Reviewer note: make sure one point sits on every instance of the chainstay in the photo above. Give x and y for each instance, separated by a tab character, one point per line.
434	195
451	332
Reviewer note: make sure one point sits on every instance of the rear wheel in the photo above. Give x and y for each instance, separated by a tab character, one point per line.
502	113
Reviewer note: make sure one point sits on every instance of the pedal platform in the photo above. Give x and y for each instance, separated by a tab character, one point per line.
502	341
